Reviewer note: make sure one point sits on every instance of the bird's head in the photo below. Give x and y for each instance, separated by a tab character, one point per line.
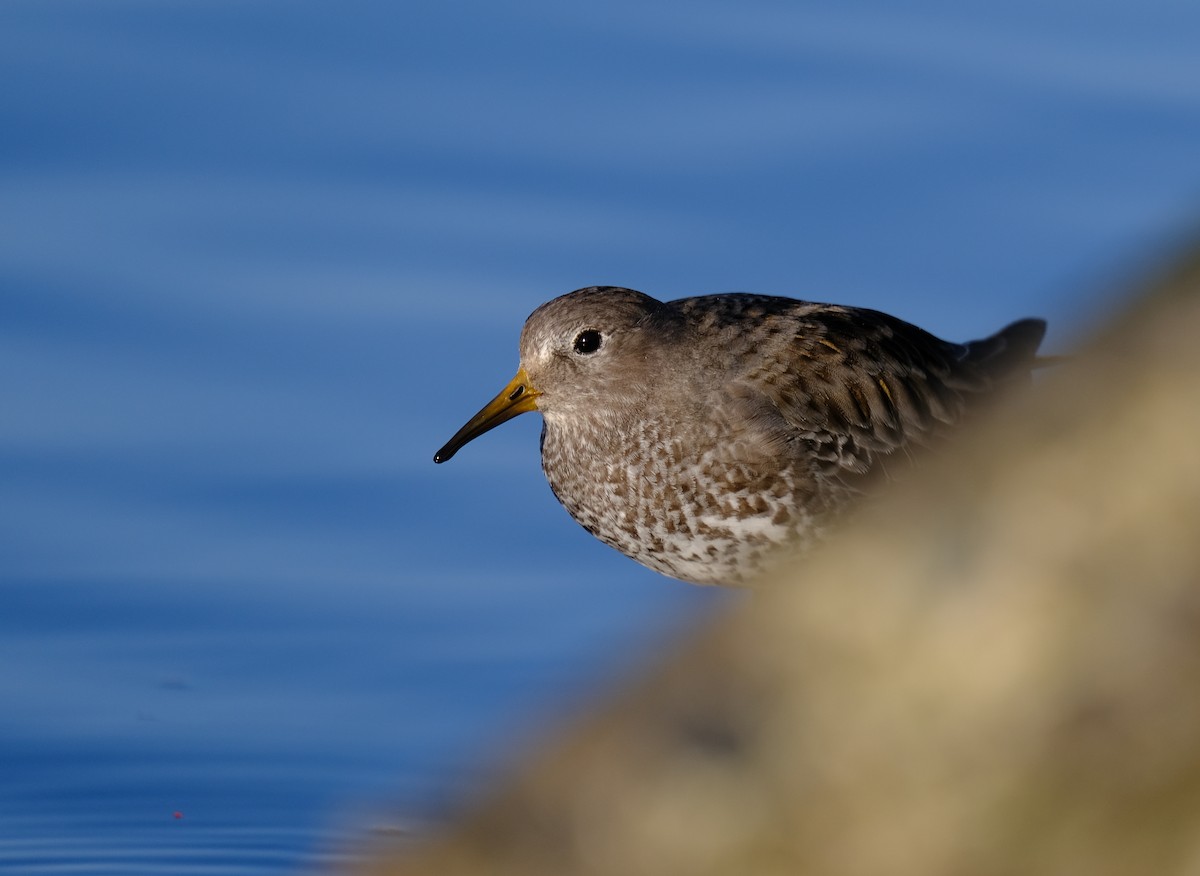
592	352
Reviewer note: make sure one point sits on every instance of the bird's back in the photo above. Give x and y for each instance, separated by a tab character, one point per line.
857	385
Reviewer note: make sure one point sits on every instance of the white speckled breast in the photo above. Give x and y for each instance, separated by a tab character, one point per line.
643	489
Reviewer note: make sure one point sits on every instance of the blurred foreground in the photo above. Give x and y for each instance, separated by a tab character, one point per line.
995	670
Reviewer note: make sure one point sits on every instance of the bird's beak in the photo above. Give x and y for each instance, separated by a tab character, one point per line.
518	397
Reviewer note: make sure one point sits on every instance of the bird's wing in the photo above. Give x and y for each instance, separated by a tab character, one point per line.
854	386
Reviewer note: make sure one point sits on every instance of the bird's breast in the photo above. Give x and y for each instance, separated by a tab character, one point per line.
673	498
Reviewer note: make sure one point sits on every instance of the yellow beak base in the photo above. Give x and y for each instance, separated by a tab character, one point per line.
518	397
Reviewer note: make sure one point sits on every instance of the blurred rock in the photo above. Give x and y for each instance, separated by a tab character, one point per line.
995	669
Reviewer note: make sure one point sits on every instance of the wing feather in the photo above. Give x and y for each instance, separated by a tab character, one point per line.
855	386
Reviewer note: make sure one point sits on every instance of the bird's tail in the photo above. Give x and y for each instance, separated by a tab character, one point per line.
1012	351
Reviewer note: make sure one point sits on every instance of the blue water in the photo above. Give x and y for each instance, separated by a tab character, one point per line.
259	259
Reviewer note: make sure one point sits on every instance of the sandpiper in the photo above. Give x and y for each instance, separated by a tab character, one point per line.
699	436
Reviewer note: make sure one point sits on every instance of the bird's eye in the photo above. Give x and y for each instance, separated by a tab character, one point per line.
588	341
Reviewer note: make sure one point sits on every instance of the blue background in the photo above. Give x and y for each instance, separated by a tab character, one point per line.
259	259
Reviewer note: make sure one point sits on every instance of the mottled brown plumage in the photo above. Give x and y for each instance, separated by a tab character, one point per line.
698	436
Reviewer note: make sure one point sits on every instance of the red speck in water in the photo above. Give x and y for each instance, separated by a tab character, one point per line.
178	815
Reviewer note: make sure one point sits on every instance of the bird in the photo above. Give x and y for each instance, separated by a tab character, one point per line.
703	435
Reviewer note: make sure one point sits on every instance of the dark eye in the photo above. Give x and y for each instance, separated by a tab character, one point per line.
588	341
